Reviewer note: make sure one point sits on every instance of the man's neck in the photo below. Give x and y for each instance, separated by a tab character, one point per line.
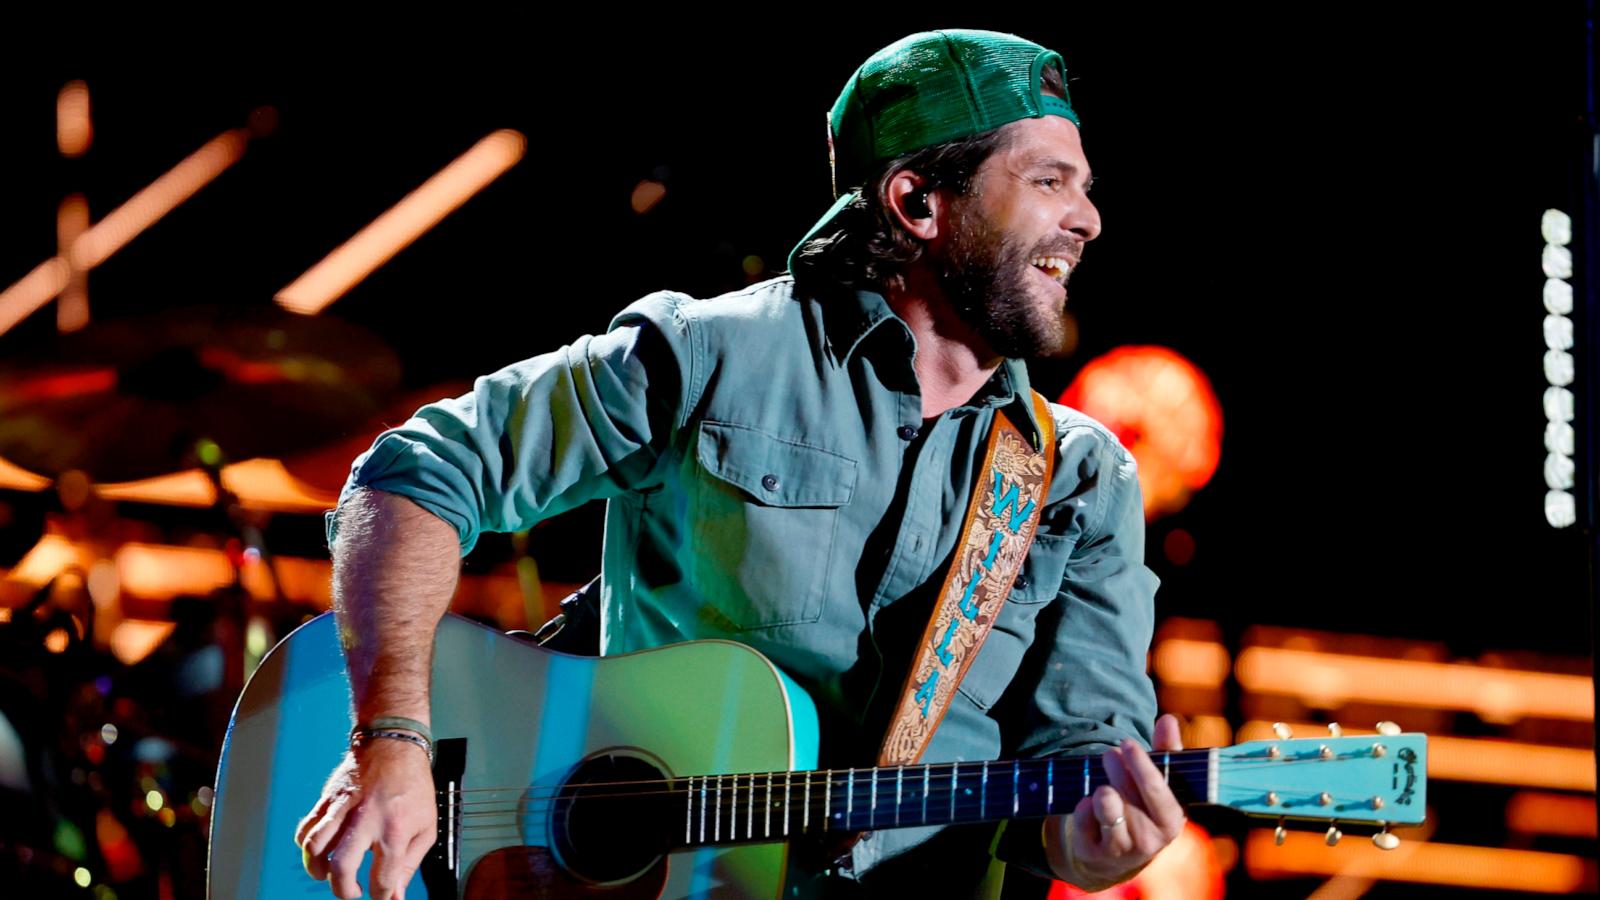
953	362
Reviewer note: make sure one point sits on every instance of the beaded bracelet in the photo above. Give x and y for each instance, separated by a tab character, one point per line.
360	737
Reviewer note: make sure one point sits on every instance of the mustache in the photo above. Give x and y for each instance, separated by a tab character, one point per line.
1072	253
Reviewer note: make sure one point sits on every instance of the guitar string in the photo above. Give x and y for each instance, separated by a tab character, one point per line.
936	798
1069	786
1068	772
960	808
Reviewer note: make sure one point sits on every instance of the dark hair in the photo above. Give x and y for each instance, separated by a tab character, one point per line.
869	248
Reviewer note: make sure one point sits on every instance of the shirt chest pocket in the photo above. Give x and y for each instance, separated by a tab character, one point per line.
765	518
1014	629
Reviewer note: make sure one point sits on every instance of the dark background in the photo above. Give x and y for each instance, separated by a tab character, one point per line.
1332	213
1332	210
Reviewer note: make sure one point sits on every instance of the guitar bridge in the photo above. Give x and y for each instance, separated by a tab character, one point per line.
440	869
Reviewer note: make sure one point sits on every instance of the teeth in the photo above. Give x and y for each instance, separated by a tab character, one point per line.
1054	266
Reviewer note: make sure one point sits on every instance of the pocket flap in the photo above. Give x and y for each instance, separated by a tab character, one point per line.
773	470
1042	569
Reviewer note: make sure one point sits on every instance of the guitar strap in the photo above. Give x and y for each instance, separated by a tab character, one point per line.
1002	518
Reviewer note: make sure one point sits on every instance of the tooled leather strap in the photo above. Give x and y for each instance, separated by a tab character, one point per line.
1002	518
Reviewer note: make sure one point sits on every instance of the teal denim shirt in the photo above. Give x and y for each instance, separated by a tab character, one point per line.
770	479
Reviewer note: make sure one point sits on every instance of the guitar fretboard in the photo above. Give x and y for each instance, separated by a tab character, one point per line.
772	806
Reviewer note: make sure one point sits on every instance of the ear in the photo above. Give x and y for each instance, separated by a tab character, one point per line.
917	208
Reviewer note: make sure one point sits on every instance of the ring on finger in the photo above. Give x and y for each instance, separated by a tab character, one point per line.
1114	822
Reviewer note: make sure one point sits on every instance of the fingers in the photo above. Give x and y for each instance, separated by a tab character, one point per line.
1168	736
396	857
1111	820
321	835
311	819
1154	795
345	861
415	852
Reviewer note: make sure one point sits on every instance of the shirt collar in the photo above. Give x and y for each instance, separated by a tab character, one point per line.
849	316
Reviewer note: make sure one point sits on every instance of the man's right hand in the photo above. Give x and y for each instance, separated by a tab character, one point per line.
383	800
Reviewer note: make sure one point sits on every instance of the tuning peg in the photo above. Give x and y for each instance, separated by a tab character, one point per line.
1333	835
1284	732
1385	841
1280	833
1388	728
1335	729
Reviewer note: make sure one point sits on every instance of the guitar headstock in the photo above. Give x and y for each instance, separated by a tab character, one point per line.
1378	779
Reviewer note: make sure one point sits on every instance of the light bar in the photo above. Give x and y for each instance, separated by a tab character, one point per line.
112	233
1329	680
1560	507
1191	663
406	221
1458	865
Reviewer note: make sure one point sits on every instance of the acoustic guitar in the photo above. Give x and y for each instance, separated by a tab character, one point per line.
684	771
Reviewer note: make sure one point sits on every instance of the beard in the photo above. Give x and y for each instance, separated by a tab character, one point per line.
986	275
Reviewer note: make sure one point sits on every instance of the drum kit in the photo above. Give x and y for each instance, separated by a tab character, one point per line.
105	767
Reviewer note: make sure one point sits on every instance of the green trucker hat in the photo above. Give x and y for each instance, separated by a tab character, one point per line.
929	88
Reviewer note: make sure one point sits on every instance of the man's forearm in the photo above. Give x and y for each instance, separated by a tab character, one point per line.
395	567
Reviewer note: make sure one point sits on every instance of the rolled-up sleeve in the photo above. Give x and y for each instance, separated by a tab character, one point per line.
1088	663
544	435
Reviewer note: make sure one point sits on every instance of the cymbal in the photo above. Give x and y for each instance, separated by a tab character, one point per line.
131	398
327	466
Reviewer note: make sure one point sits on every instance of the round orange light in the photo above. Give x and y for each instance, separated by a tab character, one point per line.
1162	408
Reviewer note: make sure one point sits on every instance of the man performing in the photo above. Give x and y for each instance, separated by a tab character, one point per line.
791	466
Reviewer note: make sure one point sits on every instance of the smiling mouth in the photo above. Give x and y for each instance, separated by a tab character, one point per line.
1056	268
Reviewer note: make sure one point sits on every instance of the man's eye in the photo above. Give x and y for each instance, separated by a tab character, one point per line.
1049	182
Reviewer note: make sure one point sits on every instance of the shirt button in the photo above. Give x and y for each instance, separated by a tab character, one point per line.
907	432
770	482
1021	584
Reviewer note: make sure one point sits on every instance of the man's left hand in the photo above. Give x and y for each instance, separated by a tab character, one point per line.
1114	832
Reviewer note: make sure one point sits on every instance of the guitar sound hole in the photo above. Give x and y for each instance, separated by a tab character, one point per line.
609	823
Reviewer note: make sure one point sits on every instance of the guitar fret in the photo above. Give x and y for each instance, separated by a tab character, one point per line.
1086	776
688	812
849	797
927	776
872	811
750	818
702	809
827	800
1049	786
805	815
766	829
787	776
1166	767
899	781
1016	778
717	832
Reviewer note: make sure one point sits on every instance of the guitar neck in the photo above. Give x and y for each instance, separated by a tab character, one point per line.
770	806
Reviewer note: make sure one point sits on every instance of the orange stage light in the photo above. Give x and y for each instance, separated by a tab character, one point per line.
1445	864
1161	406
112	233
1329	680
406	221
